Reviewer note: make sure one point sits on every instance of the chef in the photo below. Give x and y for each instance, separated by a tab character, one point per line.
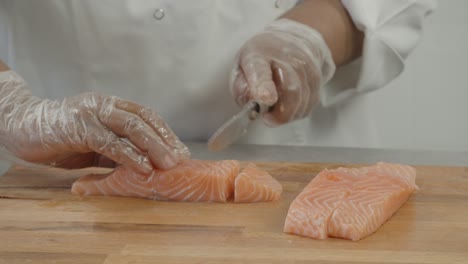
98	83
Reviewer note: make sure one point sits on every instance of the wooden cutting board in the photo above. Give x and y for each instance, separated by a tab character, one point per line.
40	221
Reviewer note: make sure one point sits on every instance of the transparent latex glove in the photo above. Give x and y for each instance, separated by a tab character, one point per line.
85	130
285	67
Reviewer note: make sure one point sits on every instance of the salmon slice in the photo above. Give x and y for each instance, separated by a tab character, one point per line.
191	181
383	189
255	185
197	181
309	213
350	203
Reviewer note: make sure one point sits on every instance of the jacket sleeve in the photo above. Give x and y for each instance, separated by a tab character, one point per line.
392	29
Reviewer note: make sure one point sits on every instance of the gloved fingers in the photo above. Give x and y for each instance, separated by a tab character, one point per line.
239	86
166	134
259	76
313	80
169	139
101	140
290	94
139	133
304	103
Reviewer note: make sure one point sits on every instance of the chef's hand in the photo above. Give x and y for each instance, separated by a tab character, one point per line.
284	66
85	130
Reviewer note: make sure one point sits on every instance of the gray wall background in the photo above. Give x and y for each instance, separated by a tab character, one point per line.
431	96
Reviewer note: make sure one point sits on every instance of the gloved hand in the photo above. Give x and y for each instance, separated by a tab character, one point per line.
84	130
284	66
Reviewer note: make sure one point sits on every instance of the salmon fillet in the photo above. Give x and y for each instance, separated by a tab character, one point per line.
255	185
190	181
350	203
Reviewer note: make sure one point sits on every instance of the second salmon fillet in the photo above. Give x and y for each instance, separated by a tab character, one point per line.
350	203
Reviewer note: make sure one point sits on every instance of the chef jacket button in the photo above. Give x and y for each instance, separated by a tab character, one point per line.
158	14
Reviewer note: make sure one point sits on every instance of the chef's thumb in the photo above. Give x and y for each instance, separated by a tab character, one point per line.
259	77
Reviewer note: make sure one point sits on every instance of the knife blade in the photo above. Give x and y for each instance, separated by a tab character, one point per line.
236	126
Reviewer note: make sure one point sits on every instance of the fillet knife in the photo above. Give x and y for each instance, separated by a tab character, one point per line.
236	126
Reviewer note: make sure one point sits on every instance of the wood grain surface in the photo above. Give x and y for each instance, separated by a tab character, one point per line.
41	222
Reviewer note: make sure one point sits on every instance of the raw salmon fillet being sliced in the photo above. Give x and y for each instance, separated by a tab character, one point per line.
350	203
191	181
255	185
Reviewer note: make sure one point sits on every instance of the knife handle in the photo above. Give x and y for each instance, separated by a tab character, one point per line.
258	109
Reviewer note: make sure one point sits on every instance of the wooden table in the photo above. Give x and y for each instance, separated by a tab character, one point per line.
40	221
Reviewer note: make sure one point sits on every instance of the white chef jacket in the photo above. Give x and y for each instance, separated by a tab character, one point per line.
175	56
